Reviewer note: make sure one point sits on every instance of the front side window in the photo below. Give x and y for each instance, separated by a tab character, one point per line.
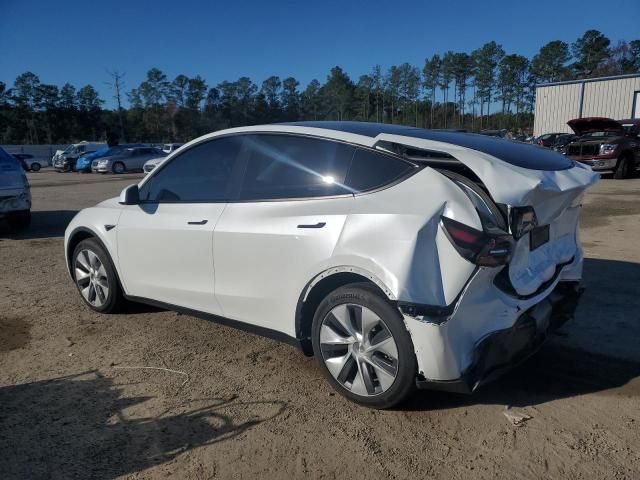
371	170
287	166
200	174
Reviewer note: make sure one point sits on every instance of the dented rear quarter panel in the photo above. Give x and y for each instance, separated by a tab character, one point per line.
395	234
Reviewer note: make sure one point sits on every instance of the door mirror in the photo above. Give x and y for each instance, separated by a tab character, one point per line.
130	195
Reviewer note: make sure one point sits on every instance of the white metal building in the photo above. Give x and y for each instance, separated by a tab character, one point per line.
612	97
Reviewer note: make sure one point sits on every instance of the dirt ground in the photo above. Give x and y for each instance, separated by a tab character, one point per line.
241	406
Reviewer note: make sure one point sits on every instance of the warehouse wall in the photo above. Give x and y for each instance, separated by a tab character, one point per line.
555	105
559	103
610	98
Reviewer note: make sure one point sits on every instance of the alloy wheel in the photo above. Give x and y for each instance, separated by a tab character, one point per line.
91	278
359	350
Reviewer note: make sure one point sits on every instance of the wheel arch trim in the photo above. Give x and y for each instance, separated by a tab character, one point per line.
347	269
302	316
88	233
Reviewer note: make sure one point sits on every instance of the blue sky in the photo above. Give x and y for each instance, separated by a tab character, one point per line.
77	41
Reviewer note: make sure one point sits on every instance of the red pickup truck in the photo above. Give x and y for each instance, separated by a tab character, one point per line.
608	146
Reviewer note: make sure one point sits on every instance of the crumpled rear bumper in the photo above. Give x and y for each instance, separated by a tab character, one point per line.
504	349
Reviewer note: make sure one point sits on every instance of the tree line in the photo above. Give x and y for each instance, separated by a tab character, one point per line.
485	89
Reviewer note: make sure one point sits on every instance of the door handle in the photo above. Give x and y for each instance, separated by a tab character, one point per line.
201	222
315	225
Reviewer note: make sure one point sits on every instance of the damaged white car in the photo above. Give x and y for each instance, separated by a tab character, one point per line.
15	192
399	257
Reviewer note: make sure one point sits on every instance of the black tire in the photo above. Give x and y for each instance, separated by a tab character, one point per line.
19	220
35	167
115	168
623	168
114	298
367	295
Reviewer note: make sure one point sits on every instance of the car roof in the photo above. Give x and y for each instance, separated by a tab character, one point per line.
515	153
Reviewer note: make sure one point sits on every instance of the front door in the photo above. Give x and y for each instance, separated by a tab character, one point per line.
165	244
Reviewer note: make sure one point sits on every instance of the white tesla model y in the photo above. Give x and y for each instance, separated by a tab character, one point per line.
397	256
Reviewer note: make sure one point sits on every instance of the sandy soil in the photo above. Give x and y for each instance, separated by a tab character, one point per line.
248	407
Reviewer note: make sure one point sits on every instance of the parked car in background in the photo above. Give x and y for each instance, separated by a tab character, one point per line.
524	138
66	161
548	139
22	160
127	160
397	256
15	192
503	133
606	145
171	147
83	164
151	164
562	141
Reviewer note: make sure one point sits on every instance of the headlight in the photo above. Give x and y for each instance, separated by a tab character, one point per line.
607	148
102	162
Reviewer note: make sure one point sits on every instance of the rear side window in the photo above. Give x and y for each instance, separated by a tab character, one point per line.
200	174
371	170
287	166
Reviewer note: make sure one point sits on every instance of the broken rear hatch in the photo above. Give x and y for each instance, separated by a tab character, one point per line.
519	176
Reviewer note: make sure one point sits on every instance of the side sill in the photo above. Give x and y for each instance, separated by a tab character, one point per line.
227	322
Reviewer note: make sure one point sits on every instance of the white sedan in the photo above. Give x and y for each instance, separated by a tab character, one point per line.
398	257
149	165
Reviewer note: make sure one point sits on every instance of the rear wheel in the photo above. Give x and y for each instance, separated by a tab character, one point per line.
95	277
623	169
35	167
118	168
363	347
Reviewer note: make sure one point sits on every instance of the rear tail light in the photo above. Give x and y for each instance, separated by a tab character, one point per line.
481	248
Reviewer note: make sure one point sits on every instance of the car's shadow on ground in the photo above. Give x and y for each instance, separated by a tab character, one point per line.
597	352
76	427
44	224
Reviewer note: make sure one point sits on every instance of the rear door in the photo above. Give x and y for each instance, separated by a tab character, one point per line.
282	228
165	244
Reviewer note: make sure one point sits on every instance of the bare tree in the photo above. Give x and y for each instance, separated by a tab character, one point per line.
117	85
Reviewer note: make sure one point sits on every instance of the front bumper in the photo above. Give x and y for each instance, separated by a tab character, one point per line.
504	349
598	164
11	204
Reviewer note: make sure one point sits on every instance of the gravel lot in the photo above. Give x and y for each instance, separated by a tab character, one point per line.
248	407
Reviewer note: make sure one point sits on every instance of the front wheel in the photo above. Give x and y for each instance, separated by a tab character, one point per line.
623	169
35	167
95	277
363	347
118	168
